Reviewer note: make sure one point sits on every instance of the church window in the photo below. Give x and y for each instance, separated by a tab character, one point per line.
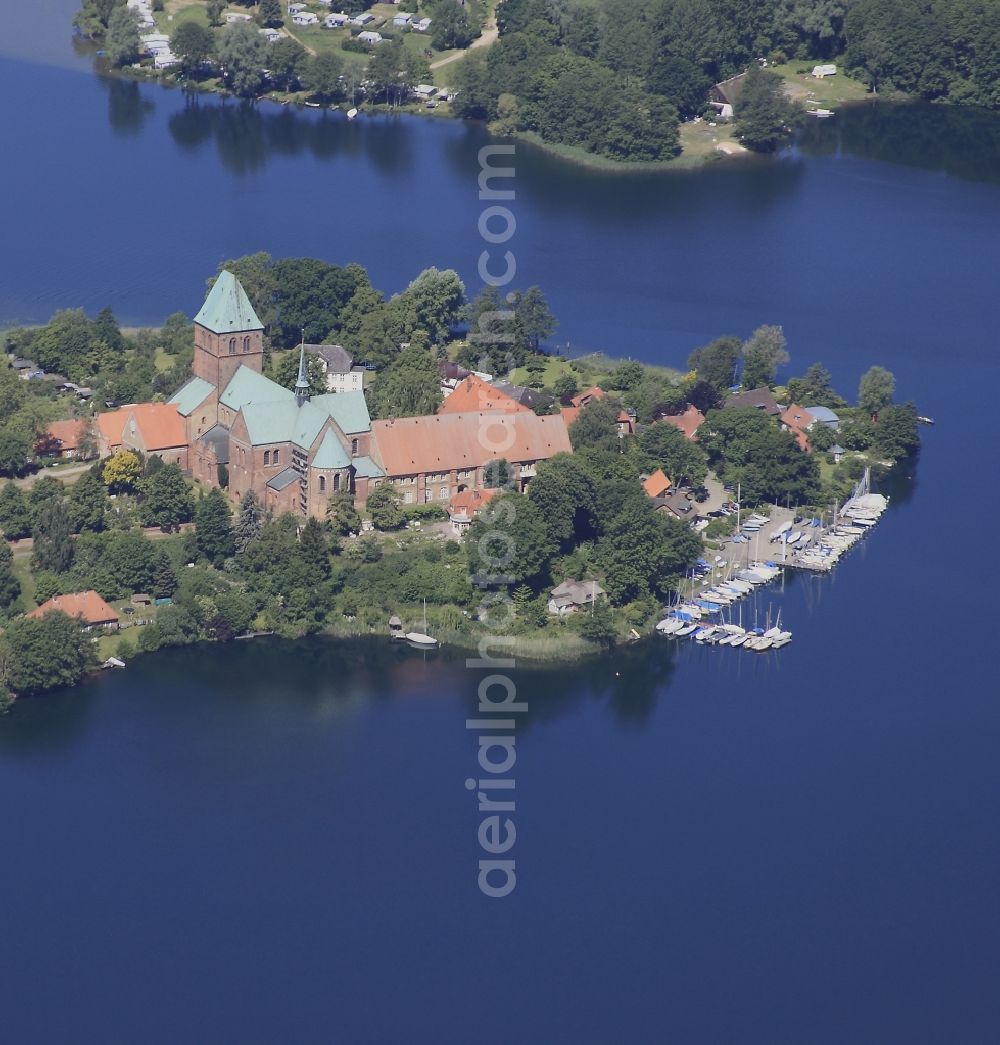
246	344
354	448
267	458
274	457
336	483
232	346
322	483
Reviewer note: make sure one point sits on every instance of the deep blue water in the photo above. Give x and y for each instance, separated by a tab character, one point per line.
273	842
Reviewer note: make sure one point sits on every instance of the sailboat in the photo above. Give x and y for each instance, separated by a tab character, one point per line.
420	639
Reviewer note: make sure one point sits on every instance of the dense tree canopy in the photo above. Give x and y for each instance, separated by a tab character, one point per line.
44	653
409	387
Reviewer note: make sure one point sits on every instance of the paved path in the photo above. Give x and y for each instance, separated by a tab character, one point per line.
74	471
488	38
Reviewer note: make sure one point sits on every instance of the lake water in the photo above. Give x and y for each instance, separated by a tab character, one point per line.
273	841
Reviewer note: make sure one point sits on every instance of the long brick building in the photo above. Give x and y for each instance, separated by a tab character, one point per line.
295	450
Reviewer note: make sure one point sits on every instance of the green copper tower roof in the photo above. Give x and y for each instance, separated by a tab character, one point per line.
227	309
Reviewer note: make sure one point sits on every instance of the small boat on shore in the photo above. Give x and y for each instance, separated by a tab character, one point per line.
420	639
351	113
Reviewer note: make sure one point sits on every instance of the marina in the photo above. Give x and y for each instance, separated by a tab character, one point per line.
763	546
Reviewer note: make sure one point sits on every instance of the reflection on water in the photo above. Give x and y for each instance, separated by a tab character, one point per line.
961	142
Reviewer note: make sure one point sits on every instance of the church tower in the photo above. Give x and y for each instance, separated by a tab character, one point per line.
227	333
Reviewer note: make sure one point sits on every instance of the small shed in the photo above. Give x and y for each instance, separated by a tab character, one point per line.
836	452
305	18
370	37
822	71
142	599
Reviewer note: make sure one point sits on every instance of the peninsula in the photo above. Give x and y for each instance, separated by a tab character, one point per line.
307	455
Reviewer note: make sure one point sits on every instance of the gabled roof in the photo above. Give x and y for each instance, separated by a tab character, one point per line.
191	396
67	433
158	425
283	479
529	397
283	422
367	468
473	393
348	409
86	604
227	308
797	418
761	398
824	415
247	386
338	360
330	453
469	503
657	484
577	593
689	422
584	397
412	445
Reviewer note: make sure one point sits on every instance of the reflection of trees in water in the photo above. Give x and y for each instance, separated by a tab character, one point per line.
246	136
960	141
127	105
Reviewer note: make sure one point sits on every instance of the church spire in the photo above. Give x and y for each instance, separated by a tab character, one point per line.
302	384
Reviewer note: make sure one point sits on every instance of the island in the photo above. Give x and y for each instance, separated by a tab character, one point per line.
308	455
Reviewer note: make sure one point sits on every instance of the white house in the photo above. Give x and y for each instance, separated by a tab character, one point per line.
424	90
305	18
571	596
363	19
294	9
335	21
370	37
270	35
402	19
338	368
235	16
422	26
821	71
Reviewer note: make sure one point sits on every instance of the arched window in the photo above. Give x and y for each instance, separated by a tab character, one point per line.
322	483
336	483
354	448
232	346
274	457
246	344
267	458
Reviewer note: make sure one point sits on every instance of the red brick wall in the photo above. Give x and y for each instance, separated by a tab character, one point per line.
218	356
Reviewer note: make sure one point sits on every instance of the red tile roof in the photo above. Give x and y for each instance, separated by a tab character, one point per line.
584	397
67	433
86	604
657	484
415	445
469	503
159	425
474	393
689	422
797	417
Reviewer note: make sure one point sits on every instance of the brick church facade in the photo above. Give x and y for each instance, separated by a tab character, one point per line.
295	450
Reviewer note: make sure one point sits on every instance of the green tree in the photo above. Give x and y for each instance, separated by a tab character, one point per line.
286	373
214	9
39	654
896	433
121	42
765	350
315	549
88	503
596	426
10	588
243	55
15	450
213	525
249	524
166	499
763	114
814	388
563	491
322	76
269	13
15	516
343	516
287	63
409	387
53	546
716	362
509	540
598	625
876	389
194	44
121	471
383	507
437	298
534	316
681	459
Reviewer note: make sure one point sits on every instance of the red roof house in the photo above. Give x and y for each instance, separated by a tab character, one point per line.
87	605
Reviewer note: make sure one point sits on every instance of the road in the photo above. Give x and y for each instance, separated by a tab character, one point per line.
486	40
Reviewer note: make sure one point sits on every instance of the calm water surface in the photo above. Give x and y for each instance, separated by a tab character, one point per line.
272	842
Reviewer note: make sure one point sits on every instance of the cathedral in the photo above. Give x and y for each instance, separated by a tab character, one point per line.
295	450
246	432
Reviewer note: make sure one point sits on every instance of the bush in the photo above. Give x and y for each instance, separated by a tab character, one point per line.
425	513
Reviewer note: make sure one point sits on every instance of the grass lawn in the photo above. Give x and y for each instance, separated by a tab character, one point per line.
593	369
802	87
